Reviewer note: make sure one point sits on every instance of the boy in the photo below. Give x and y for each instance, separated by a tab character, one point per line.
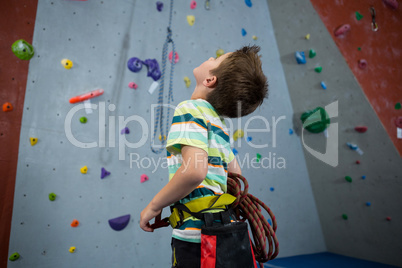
198	145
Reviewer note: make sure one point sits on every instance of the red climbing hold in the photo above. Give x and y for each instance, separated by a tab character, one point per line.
398	122
361	129
357	162
7	107
343	29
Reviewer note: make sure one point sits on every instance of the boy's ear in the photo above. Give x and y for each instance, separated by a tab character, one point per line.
210	81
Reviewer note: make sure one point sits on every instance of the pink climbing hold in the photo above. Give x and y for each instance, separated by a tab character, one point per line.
193	4
391	3
144	178
362	64
132	85
343	29
398	122
176	57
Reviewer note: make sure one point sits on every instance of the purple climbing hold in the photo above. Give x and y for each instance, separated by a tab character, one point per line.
134	64
104	173
159	6
119	223
125	131
153	69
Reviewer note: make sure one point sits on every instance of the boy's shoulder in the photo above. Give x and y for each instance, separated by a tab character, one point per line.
194	103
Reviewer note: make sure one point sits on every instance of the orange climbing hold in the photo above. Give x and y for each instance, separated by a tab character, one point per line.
75	223
7	107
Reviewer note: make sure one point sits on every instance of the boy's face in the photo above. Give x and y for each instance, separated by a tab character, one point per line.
203	71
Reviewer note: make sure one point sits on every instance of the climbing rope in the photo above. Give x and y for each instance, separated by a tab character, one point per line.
159	116
248	207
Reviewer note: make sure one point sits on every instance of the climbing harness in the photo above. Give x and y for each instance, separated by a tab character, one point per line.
243	205
159	116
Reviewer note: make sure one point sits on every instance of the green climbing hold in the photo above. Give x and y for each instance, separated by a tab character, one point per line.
318	69
312	53
52	196
344	216
15	256
83	119
358	15
359	48
258	157
315	121
22	49
348	178
398	106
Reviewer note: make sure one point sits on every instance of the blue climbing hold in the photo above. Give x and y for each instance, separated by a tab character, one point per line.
249	139
364	177
323	85
290	131
368	204
134	64
235	152
104	173
119	223
272	189
153	69
243	32
270	222
300	57
248	3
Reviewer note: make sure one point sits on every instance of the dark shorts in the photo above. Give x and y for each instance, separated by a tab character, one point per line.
185	254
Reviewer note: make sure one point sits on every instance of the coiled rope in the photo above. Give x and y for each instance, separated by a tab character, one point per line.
248	207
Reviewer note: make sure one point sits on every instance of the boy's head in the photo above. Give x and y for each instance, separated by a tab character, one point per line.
235	82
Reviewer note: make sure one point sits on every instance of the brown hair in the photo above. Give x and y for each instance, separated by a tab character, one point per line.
241	85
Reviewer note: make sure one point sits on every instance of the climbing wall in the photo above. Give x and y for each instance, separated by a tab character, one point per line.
97	38
358	199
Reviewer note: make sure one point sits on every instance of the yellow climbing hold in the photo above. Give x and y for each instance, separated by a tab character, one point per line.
68	64
307	36
187	81
84	170
190	20
219	52
238	134
255	37
72	249
33	141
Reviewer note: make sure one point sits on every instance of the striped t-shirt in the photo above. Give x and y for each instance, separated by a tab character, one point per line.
196	123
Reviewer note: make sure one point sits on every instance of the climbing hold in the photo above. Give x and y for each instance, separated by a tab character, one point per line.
238	134
134	64
359	48
391	3
363	177
235	152
323	85
22	49
72	249
15	256
290	131
104	173
248	3
153	69
33	141
243	32
361	129
132	85
307	36
144	178
87	96
255	37
397	106
7	107
398	122
187	81
300	58
316	120
68	64
83	120
362	64
348	178
354	147
162	139
343	29
344	216
358	15
368	204
159	6
75	223
219	52
258	157
176	57
318	69
193	4
191	20
388	218
249	139
84	170
119	223
52	196
272	189
125	130
312	53
357	162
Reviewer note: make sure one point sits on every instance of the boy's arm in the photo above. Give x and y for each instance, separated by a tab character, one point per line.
191	173
234	167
